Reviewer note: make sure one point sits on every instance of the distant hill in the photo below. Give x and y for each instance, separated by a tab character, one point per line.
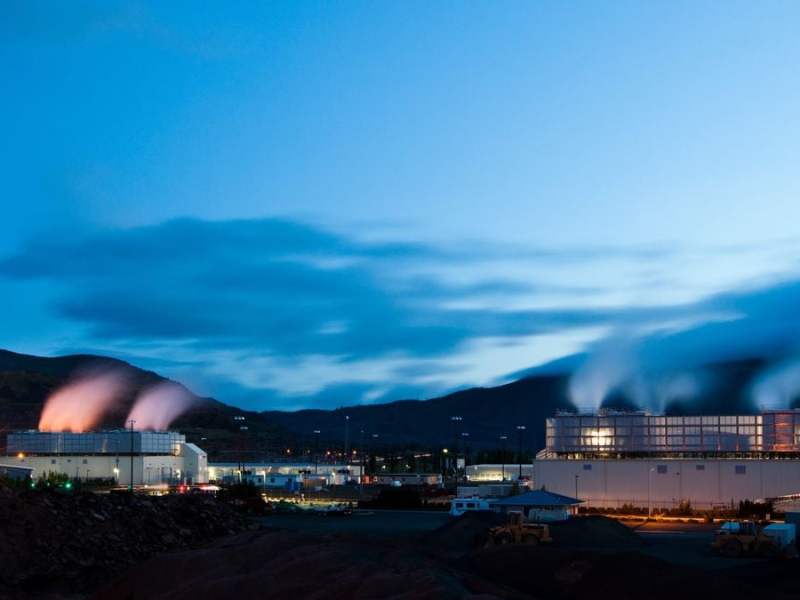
487	413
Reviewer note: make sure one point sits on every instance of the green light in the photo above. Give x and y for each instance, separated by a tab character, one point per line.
68	485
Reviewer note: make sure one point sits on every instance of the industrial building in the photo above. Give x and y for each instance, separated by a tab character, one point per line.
539	505
126	456
498	472
612	459
261	473
401	479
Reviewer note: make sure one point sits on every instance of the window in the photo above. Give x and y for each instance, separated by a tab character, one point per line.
740	469
661	469
459	505
85	461
52	461
470	505
699	467
587	467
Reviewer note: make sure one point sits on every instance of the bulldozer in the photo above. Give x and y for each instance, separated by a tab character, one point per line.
748	538
517	531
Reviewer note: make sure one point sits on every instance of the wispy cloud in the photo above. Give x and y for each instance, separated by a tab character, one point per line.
290	313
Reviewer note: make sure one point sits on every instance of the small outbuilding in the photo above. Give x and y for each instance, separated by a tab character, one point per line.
540	505
16	472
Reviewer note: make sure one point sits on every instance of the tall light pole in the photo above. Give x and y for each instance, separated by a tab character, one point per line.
576	486
503	439
454	421
465	435
316	451
375	442
131	423
361	462
346	439
649	478
520	430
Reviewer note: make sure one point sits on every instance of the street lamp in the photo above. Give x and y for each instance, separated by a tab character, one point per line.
576	486
520	430
503	439
649	483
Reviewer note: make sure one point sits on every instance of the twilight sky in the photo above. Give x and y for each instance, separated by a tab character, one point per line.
305	204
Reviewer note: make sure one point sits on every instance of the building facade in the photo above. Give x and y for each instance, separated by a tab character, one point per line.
615	459
138	457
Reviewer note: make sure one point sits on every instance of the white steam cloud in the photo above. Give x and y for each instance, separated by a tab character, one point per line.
80	404
656	392
159	405
605	370
777	386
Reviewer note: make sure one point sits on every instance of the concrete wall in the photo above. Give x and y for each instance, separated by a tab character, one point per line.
665	483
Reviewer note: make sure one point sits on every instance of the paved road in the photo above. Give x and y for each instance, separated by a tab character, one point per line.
685	544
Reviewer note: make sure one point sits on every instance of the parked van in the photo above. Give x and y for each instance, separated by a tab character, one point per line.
459	506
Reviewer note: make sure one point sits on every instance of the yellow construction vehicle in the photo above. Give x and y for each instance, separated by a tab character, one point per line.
517	531
747	538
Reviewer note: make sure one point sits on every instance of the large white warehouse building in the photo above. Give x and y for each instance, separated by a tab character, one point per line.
612	459
140	457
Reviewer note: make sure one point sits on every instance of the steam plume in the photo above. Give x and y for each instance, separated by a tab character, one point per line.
777	386
655	392
159	405
604	371
80	404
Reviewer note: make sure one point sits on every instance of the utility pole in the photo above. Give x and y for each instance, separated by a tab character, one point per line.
131	423
520	430
503	439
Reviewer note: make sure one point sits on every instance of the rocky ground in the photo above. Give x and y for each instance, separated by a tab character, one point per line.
65	546
70	543
595	558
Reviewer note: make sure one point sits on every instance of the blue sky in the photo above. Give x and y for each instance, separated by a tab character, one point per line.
296	204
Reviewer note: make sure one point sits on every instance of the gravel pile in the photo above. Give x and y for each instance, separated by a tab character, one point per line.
73	542
595	532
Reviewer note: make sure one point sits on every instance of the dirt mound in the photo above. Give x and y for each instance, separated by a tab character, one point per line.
282	564
70	542
465	532
595	532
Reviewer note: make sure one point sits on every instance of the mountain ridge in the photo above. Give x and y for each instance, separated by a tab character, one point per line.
486	413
